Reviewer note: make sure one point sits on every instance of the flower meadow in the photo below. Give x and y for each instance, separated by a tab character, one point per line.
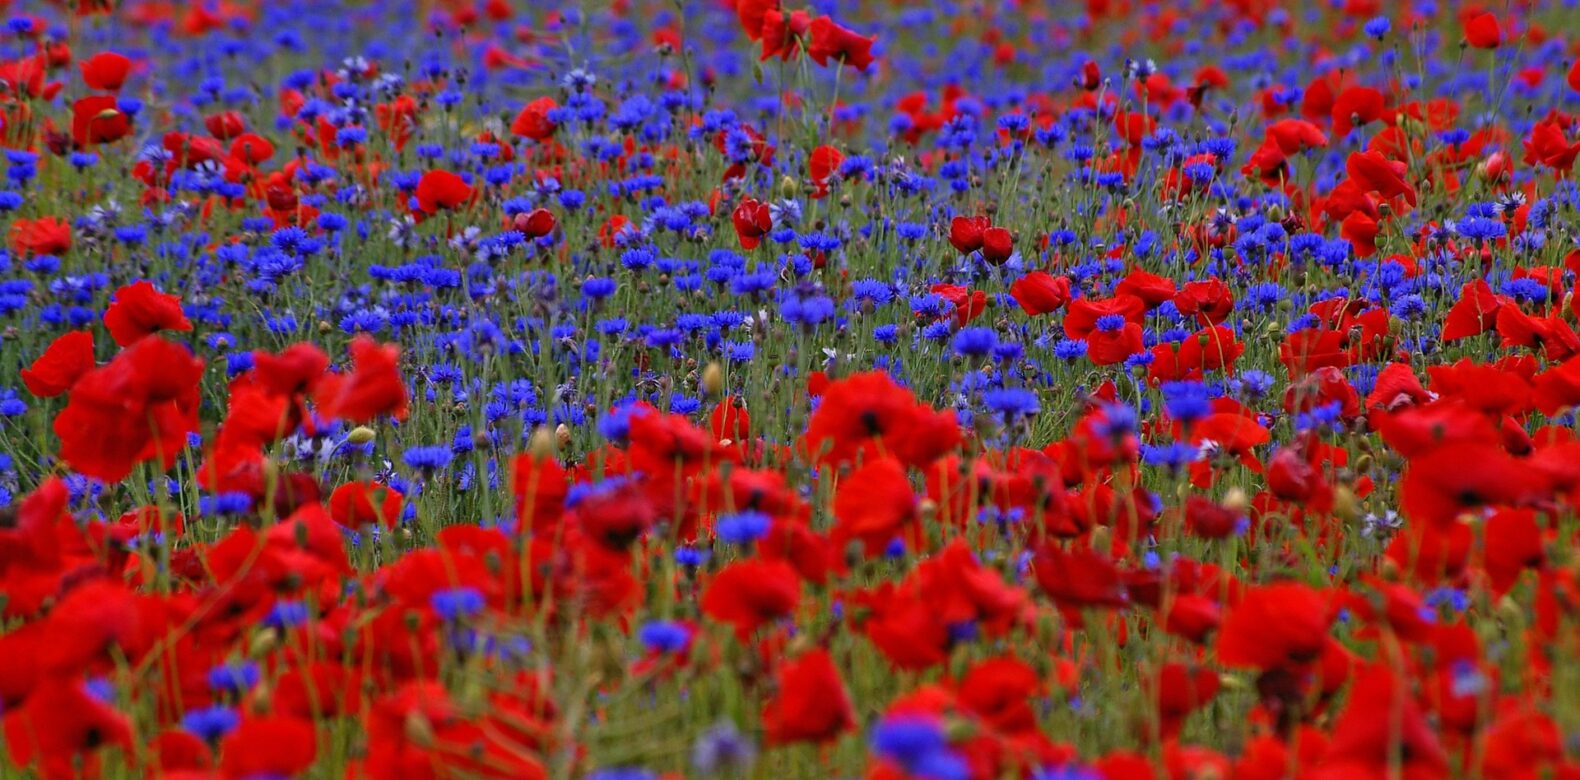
734	389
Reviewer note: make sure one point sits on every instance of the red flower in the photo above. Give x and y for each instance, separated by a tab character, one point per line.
1275	626
811	704
441	190
60	725
1357	106
1548	146
821	164
1041	293
966	233
1474	313
64	361
139	406
534	122
1373	172
749	593
833	42
752	220
868	414
782	34
536	223
751	14
1481	31
875	505
269	746
1079	578
1382	732
96	119
1208	301
1450	480
42	236
139	311
373	388
997	245
106	71
356	504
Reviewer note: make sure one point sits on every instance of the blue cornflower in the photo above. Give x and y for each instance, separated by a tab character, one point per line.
1011	402
429	458
975	342
233	677
211	723
664	636
742	527
456	603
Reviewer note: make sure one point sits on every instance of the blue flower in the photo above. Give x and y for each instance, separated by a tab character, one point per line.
664	636
454	604
742	527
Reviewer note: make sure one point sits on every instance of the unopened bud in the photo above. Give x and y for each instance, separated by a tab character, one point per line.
361	434
713	379
542	444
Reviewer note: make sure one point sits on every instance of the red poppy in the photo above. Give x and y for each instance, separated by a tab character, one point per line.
106	71
822	163
372	388
997	245
64	361
42	236
966	233
875	505
830	41
363	503
441	190
811	704
139	406
1482	32
752	220
1547	145
782	34
1151	288
269	746
60	727
1081	318
1209	301
1382	731
1041	293
1558	388
534	122
1181	689
1440	485
1275	626
750	593
1078	578
1357	106
1474	313
139	311
96	119
536	223
1373	172
751	13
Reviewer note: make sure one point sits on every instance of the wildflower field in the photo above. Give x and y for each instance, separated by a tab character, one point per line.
646	390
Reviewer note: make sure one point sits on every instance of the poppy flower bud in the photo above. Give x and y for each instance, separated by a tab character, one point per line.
788	187
562	434
534	224
1346	506
1236	501
542	443
418	730
712	379
997	245
361	435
